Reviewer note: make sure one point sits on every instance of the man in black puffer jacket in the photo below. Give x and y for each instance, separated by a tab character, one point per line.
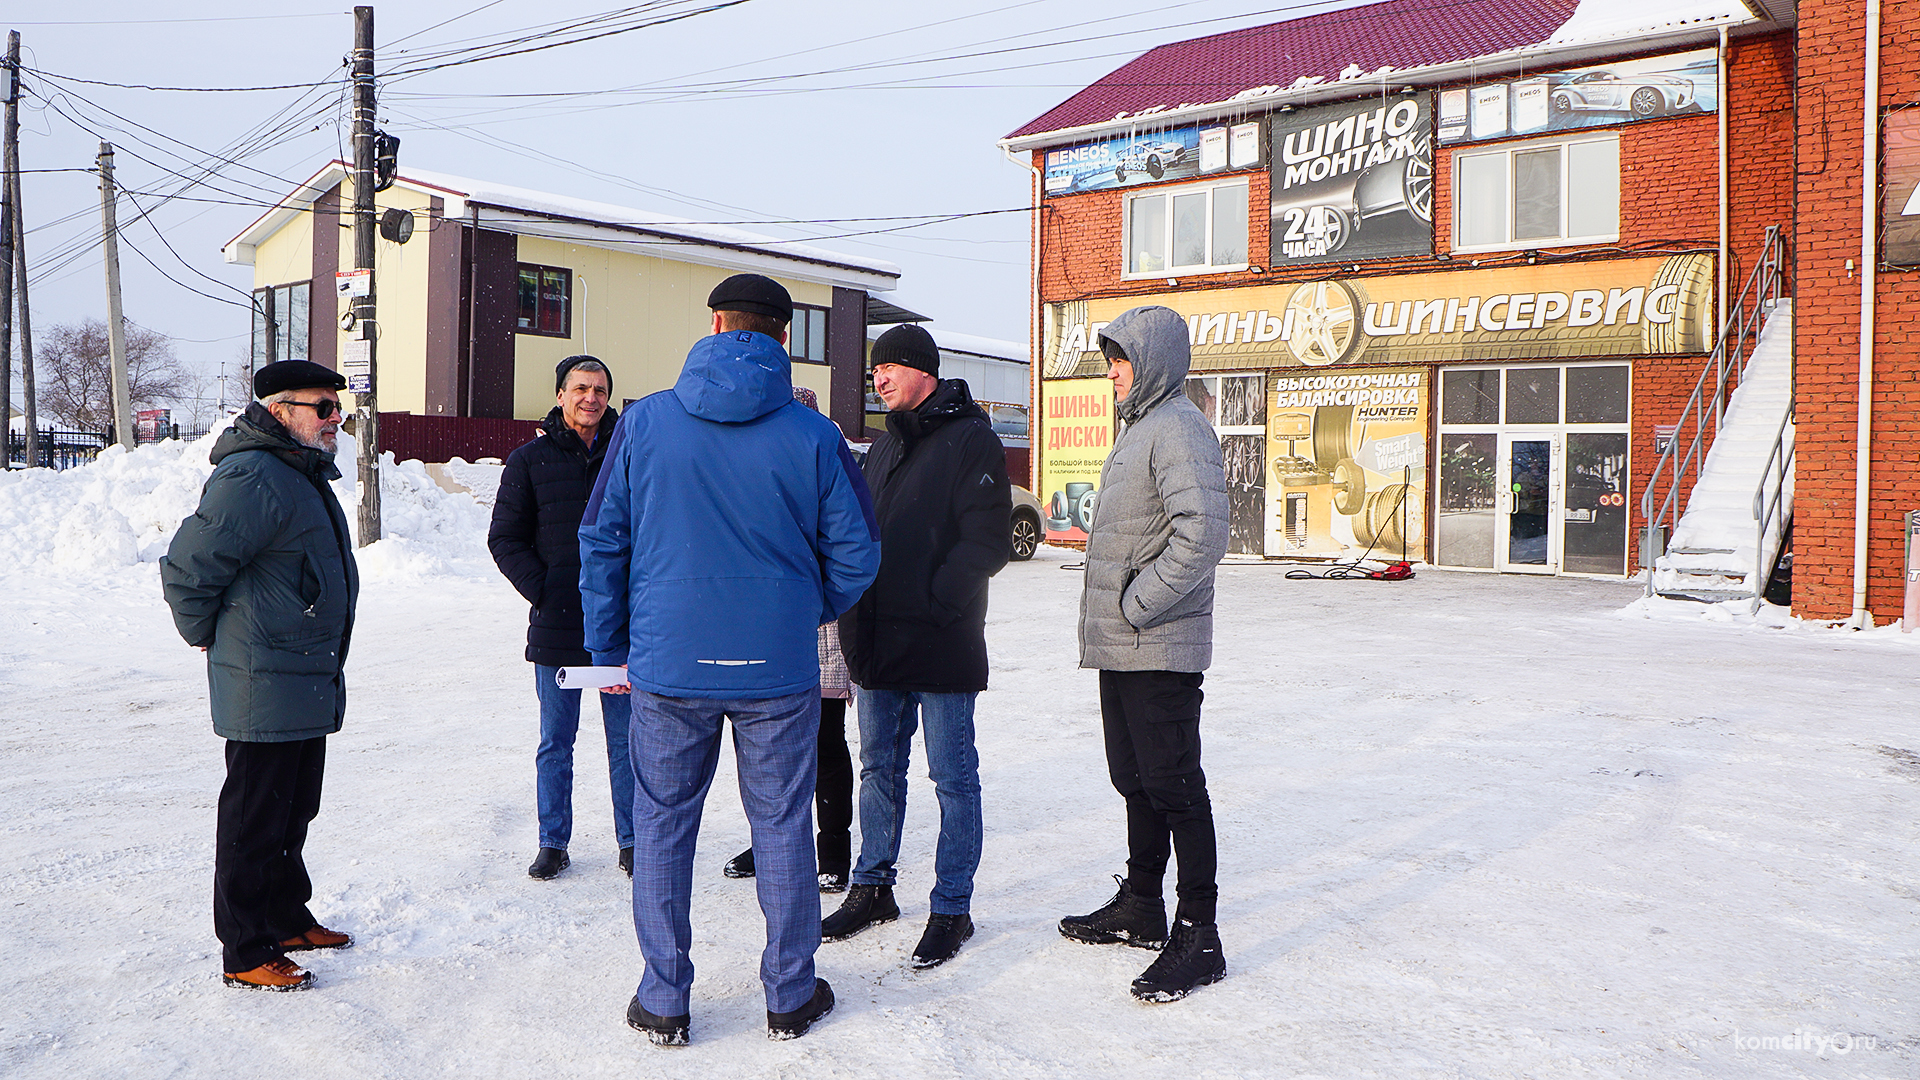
535	540
916	643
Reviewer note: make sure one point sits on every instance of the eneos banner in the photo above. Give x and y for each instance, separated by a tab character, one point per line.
1680	84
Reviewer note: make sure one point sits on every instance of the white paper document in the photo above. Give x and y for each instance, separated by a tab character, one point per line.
589	678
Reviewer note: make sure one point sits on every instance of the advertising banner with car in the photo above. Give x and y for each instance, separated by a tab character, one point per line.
1680	84
1347	464
1618	307
1352	181
1901	210
1144	157
1076	432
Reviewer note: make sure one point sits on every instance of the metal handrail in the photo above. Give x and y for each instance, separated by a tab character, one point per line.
1765	509
1739	332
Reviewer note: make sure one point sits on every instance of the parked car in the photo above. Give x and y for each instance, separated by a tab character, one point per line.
1026	514
1603	91
1026	524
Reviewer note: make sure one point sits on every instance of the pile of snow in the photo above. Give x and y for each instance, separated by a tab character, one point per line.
122	509
1608	20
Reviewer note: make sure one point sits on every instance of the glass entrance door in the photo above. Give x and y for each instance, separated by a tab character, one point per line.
1527	522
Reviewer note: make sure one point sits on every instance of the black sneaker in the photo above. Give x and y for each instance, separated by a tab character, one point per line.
659	1030
791	1025
1191	959
626	862
1127	919
865	905
740	865
833	881
548	863
945	934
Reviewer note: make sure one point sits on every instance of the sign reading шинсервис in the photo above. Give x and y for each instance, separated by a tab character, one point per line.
1619	307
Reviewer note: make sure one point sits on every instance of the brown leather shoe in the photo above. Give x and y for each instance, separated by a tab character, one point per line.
318	937
279	975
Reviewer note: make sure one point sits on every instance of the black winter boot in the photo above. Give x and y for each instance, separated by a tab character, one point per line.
865	905
740	865
548	864
945	934
1192	958
1127	919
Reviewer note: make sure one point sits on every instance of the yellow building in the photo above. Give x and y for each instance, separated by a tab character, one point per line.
497	284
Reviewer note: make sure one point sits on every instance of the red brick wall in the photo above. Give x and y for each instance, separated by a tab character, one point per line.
1669	201
1827	320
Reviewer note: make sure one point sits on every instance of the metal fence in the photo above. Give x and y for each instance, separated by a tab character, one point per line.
58	449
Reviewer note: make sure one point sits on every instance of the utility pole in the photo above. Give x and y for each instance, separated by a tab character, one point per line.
116	328
32	413
12	168
366	427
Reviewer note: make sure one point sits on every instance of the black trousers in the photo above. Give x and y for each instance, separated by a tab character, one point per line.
260	883
833	790
1152	725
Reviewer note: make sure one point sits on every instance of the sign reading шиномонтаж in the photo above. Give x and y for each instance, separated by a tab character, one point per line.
1622	307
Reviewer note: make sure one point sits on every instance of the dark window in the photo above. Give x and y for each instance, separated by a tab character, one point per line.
1597	395
280	315
1469	397
1533	395
546	301
807	334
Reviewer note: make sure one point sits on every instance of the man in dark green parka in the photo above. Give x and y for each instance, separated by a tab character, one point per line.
262	579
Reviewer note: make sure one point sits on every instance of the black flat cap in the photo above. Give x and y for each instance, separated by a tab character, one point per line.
754	293
295	375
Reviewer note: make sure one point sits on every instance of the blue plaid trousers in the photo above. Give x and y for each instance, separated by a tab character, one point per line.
675	744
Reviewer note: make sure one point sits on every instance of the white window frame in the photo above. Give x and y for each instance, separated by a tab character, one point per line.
1507	151
1169	193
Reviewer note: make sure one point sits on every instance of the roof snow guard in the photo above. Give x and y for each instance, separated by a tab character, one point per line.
1342	53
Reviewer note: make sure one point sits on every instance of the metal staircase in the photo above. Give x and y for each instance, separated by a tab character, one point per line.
1731	453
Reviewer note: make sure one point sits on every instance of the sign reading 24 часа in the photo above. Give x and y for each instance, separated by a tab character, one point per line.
1352	181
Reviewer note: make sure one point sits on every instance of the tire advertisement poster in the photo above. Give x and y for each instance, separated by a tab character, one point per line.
1679	84
1076	432
1347	464
1352	181
1901	210
1620	307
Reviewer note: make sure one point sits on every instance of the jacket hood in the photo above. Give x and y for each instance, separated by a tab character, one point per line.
256	429
734	377
555	425
1155	340
950	400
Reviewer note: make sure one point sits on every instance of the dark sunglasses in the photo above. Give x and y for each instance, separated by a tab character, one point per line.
323	408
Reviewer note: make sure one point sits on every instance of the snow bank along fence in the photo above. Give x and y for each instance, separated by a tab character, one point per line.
443	438
1683	455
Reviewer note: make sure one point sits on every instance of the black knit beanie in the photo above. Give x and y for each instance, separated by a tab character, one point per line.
909	346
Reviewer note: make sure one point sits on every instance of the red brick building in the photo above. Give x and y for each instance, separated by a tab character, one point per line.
1453	272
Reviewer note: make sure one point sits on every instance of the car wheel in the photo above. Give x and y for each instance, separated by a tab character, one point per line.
1026	536
1562	104
1647	101
1120	174
1154	168
1416	182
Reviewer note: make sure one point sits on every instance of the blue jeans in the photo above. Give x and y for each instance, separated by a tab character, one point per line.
676	745
553	762
887	722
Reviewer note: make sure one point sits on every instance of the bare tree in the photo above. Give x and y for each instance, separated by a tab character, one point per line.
76	384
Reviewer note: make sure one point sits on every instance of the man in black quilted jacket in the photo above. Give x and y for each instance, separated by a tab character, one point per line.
535	541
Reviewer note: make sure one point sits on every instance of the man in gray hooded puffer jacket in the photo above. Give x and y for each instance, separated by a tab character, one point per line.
1146	622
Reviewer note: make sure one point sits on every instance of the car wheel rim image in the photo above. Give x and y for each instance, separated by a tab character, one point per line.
1417	182
1646	101
1326	323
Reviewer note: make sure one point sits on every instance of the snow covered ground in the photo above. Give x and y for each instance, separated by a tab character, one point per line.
1471	826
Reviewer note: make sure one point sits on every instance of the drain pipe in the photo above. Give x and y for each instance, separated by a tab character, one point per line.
1034	328
1862	619
1723	110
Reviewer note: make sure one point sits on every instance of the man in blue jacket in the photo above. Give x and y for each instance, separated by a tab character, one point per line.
728	523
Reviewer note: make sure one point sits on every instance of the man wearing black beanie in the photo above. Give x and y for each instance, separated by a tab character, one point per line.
916	642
